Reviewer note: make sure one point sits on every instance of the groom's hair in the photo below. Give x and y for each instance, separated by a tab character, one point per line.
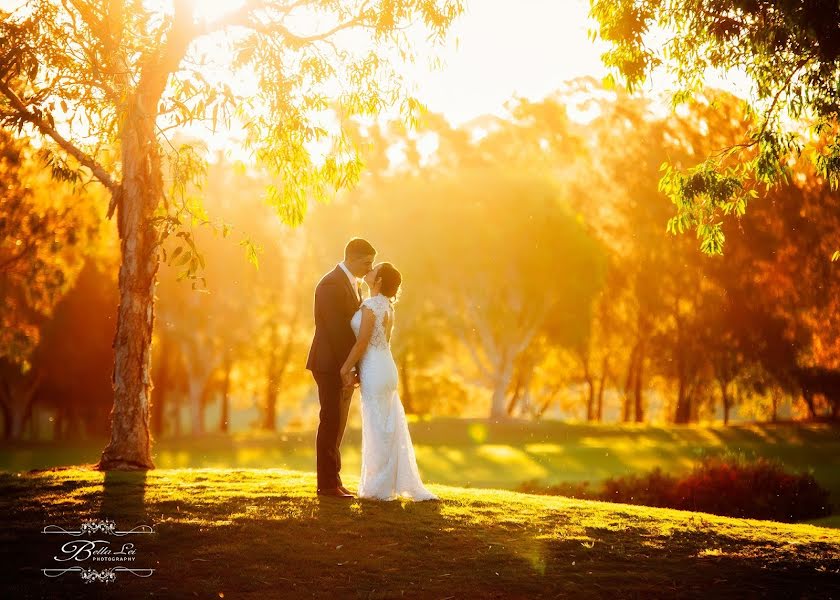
358	247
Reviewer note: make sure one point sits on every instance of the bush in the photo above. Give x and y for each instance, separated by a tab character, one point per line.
760	489
731	487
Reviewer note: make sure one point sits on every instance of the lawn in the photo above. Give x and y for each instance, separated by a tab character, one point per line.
262	533
479	453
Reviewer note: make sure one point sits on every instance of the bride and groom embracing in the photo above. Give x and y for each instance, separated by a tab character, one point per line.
352	346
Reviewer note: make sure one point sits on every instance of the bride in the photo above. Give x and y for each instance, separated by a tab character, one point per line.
389	467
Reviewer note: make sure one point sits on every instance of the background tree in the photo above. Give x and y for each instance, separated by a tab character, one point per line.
75	354
496	276
789	50
45	230
104	81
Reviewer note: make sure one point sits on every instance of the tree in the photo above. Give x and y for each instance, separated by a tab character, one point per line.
789	50
75	355
103	81
510	264
45	231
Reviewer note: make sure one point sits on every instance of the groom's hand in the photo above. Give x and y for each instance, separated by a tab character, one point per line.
348	379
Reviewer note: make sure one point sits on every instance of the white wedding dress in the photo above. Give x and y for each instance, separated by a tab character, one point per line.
389	467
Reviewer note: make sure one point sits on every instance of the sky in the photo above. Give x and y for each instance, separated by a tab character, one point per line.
504	51
503	48
497	50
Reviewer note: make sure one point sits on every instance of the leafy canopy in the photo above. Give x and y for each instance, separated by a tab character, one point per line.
45	232
86	75
789	50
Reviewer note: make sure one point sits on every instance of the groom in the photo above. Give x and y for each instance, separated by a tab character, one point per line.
337	297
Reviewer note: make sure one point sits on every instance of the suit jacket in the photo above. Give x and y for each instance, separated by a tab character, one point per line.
336	301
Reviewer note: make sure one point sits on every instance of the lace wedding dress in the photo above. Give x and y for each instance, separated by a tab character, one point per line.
389	467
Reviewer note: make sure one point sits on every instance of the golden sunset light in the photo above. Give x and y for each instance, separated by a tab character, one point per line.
420	299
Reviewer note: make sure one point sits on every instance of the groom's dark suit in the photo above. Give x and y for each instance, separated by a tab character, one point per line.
335	303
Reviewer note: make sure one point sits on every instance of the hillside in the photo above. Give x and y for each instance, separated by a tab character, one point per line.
254	533
479	453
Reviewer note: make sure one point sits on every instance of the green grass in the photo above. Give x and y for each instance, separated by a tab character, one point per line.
479	453
252	533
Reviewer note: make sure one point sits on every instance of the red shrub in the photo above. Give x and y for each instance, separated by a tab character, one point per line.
732	487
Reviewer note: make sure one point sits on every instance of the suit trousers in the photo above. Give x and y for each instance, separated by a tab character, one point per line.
335	405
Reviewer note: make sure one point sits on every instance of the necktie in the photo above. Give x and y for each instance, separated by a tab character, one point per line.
359	291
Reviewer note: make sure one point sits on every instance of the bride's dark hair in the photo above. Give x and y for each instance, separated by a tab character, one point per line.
390	278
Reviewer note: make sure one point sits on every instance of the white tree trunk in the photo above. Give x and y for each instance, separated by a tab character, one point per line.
498	409
130	444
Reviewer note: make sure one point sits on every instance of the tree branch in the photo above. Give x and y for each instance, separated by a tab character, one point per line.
22	111
243	17
768	114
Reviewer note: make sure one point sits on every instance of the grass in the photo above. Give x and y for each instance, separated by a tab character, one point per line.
480	453
262	533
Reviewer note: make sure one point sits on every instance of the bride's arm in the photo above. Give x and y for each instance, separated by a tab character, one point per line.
365	331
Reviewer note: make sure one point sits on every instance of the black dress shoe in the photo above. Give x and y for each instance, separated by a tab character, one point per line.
337	492
345	490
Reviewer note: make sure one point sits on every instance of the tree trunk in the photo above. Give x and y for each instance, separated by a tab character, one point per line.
590	399
726	407
406	394
224	418
638	391
141	190
272	387
695	404
20	417
599	411
514	398
590	386
683	412
270	414
499	406
629	384
498	409
727	402
17	394
177	429
278	362
7	421
522	394
162	377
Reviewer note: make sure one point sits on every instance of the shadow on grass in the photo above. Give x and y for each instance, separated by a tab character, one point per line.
634	563
26	550
249	535
123	497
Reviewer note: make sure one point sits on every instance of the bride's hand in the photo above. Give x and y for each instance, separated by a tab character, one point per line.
347	378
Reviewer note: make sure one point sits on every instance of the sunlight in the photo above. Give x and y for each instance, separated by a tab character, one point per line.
212	11
477	432
460	91
187	191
